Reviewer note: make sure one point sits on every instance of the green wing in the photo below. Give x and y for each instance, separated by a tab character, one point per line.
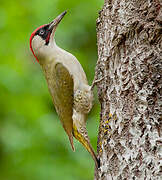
63	97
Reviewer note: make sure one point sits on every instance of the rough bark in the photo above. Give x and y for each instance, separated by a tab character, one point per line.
129	69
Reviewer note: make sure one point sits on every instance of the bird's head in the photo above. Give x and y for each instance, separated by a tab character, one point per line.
42	38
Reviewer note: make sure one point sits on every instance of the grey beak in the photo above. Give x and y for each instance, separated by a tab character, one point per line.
56	21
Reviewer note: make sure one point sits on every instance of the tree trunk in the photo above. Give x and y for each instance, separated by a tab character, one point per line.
129	69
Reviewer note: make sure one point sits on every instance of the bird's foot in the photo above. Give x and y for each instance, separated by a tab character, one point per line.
95	81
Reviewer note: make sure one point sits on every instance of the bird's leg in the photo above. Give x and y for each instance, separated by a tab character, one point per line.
95	81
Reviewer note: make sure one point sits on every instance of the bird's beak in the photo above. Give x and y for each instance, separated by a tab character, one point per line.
55	22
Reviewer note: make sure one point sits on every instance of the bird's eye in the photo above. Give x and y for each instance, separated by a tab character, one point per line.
41	32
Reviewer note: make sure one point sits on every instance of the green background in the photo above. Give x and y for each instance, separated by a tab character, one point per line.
33	144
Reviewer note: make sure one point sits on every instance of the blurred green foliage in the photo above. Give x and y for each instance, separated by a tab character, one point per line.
33	144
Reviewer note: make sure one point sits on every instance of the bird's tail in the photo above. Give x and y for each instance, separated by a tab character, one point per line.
83	138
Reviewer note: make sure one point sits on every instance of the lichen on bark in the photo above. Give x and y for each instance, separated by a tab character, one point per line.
129	35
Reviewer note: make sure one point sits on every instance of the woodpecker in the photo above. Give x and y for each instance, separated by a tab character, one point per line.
67	83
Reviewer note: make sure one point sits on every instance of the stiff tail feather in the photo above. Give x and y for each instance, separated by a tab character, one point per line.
85	142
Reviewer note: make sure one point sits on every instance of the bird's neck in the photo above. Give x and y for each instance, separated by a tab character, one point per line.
49	54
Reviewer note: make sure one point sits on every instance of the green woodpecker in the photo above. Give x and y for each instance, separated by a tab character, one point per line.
67	83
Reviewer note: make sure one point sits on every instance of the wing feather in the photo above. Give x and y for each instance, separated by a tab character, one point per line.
63	97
